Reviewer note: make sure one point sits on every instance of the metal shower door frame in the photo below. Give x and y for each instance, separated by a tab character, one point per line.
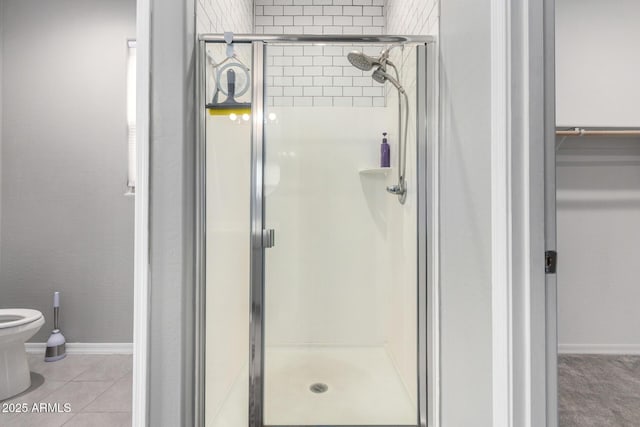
256	323
426	345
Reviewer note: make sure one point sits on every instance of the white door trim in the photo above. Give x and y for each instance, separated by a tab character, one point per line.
141	245
549	168
517	212
501	244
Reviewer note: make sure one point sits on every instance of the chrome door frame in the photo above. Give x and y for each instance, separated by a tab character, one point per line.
201	239
256	323
427	289
424	308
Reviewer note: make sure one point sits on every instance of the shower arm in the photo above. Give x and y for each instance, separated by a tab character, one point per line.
385	53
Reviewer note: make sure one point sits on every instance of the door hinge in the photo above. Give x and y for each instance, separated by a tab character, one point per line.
550	262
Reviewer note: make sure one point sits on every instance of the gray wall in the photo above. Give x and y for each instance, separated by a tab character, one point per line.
65	224
597	70
465	209
598	192
598	187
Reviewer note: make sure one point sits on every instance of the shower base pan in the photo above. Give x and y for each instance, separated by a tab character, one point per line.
325	386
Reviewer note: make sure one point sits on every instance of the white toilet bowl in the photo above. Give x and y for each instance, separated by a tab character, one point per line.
17	325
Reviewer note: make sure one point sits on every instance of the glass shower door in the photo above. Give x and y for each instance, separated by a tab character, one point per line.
340	321
314	273
227	155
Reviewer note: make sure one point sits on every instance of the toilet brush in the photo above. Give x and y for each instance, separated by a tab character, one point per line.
56	343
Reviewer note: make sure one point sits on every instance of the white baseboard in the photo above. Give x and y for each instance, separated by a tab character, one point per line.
631	349
84	348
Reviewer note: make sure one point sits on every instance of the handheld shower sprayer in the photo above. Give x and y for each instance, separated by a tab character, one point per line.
366	63
381	76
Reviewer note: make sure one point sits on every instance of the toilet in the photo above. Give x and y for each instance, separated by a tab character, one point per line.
17	325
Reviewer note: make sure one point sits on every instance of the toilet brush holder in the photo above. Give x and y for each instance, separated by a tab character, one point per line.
56	344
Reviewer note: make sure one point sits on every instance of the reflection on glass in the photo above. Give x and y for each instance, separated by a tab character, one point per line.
340	283
228	154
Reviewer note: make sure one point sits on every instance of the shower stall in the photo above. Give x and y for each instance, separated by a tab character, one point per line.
314	298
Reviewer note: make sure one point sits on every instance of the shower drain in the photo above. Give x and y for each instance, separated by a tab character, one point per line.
318	387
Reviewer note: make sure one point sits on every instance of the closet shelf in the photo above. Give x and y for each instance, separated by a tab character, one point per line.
598	132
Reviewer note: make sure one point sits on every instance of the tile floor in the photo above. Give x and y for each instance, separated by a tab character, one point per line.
599	391
594	391
96	387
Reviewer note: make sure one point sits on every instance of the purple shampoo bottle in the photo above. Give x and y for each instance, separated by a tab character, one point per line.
385	152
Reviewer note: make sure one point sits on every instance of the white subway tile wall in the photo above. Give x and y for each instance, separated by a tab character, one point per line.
218	16
417	17
319	75
313	75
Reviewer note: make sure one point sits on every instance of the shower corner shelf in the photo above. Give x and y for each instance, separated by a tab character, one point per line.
374	171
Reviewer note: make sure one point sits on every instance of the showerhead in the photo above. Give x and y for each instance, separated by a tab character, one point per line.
361	61
365	63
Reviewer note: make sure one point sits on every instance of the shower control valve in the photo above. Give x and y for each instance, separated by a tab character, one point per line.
399	190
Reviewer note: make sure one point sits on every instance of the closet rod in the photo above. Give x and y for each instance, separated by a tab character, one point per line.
598	132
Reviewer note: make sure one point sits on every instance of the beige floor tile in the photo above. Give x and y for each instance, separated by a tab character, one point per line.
116	399
110	368
5	417
100	382
38	420
40	388
67	368
78	393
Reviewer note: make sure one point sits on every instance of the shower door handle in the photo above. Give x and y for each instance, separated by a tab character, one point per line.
268	238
